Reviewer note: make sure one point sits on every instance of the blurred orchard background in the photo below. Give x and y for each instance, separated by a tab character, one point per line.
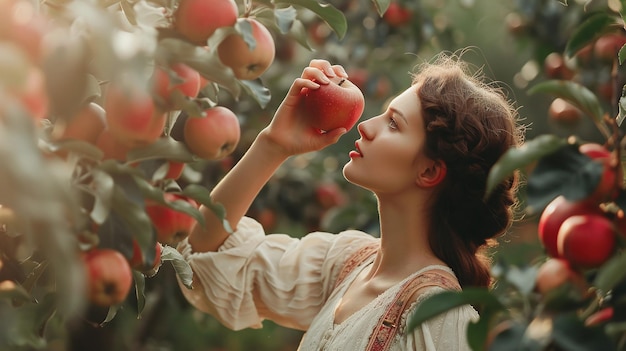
71	189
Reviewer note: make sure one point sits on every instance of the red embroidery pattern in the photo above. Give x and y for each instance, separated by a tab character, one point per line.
355	260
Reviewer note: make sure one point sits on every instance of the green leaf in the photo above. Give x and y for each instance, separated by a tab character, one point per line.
203	196
611	273
280	19
244	28
29	324
569	333
592	28
564	172
621	54
80	147
133	214
575	93
299	33
101	187
333	17
381	6
255	88
285	18
112	312
622	109
140	287
442	302
510	337
181	267
166	148
522	279
517	158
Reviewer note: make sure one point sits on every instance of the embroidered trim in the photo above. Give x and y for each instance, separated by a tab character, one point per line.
386	329
358	257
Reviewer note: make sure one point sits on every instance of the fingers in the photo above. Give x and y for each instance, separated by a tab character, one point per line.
301	83
321	68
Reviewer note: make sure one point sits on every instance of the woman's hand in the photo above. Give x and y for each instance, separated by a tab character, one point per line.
289	131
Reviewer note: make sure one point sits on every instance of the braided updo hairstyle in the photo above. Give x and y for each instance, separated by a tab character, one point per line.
469	124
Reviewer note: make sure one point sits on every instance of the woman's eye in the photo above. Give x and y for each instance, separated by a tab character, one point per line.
392	123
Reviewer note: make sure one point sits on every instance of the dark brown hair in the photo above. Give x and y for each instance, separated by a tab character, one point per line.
469	124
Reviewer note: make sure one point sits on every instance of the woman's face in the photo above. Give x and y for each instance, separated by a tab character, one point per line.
389	155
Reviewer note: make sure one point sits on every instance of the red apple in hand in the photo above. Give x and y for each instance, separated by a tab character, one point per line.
337	104
109	276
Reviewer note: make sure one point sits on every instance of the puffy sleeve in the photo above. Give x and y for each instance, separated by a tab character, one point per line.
254	276
447	331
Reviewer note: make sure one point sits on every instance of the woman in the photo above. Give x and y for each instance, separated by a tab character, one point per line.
426	158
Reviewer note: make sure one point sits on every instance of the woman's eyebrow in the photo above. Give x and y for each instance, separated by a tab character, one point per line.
398	113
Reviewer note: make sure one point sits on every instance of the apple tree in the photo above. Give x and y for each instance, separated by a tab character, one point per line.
106	108
572	297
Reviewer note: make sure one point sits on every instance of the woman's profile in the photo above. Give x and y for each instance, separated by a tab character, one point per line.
426	159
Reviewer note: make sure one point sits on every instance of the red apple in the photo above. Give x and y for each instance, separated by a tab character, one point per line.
607	46
86	125
164	86
174	169
213	136
23	24
138	261
611	181
248	62
600	317
109	276
132	116
564	112
329	195
555	67
556	272
33	95
172	226
553	216
586	241
197	20
397	15
337	104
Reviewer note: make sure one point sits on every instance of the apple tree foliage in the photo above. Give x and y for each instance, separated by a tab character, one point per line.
54	207
50	205
514	316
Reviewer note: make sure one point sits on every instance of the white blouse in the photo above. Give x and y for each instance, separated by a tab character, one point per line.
291	281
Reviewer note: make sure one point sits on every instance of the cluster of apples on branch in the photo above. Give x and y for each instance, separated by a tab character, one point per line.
119	98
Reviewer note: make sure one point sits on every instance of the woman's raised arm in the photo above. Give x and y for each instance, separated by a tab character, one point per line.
287	135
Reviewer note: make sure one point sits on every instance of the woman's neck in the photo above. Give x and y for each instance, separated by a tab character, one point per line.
404	230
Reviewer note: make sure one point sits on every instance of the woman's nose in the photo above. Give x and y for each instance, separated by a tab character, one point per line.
364	129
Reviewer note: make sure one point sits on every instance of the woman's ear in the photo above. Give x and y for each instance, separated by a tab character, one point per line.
432	175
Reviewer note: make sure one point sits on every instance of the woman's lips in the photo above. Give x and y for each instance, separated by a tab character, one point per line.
357	152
